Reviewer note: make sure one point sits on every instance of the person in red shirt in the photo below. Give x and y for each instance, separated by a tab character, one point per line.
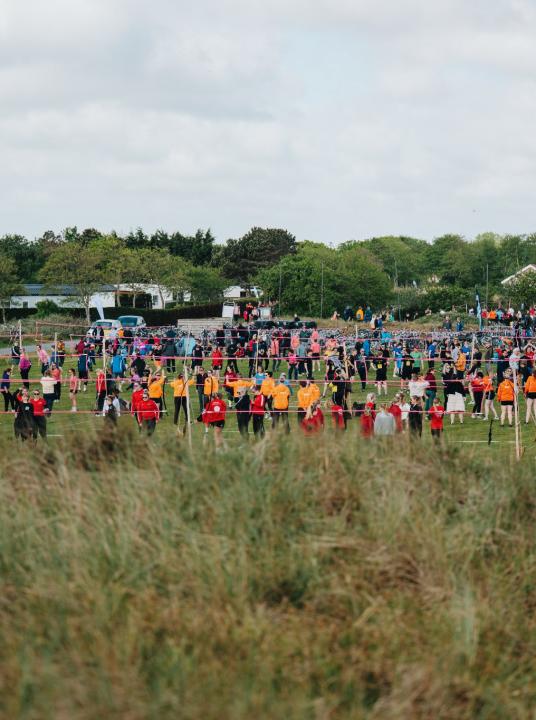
396	412
40	421
366	422
100	388
214	415
147	413
437	411
313	420
258	408
477	388
135	398
337	415
217	361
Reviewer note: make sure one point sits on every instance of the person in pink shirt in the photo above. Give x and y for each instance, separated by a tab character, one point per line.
73	389
274	354
43	358
315	354
294	341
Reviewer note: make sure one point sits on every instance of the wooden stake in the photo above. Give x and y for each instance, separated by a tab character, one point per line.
519	448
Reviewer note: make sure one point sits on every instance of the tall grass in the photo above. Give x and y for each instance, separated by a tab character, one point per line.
297	578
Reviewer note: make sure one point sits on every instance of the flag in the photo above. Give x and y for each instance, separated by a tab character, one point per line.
478	308
97	302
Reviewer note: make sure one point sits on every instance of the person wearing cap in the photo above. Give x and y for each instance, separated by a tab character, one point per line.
147	413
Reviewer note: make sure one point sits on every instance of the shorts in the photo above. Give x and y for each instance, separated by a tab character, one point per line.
82	375
490	395
218	423
531	396
73	392
507	403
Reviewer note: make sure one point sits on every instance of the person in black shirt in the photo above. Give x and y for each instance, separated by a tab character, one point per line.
24	425
243	414
415	417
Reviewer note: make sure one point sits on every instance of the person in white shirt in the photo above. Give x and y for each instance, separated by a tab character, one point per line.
417	386
49	392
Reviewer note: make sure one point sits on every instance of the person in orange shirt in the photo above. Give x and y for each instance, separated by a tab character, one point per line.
530	396
505	395
155	387
180	396
267	388
489	396
280	403
308	393
240	383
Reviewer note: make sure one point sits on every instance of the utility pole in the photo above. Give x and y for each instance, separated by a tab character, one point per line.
397	291
280	282
322	293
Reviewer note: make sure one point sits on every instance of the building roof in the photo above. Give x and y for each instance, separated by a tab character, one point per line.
35	289
527	268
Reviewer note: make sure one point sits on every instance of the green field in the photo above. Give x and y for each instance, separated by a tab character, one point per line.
473	431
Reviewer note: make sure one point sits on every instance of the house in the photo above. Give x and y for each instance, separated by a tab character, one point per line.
107	296
515	276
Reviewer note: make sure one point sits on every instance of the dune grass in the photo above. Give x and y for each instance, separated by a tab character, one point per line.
322	577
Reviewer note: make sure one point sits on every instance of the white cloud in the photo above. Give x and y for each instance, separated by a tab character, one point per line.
338	119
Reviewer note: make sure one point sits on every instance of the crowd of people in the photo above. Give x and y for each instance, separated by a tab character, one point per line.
265	377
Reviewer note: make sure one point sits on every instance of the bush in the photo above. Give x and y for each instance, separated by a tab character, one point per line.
435	297
46	308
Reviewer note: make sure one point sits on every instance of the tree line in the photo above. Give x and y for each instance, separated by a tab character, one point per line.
305	277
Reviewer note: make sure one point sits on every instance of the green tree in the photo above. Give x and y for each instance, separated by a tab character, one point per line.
260	248
522	290
9	283
27	256
451	259
206	284
317	280
78	265
166	272
403	259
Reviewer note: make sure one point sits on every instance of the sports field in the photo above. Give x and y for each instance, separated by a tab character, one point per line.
474	432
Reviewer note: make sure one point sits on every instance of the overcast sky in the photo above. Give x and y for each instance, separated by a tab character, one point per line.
335	119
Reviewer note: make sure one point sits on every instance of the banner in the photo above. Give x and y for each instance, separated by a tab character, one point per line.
97	302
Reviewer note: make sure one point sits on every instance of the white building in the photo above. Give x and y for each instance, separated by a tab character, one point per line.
515	276
146	296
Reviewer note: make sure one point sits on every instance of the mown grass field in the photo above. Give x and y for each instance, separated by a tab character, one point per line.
472	432
300	578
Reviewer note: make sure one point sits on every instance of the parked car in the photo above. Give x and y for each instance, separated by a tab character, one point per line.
132	321
107	325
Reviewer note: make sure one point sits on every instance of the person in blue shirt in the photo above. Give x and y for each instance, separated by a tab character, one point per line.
459	325
432	351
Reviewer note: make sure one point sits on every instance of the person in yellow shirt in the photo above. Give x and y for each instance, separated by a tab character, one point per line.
210	386
308	393
155	386
460	365
180	396
359	314
240	383
267	387
280	403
